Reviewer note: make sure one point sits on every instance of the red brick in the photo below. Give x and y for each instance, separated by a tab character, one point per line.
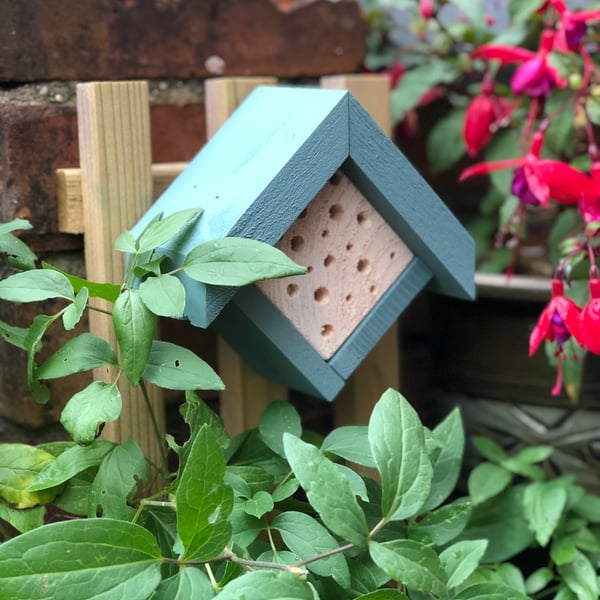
119	39
36	140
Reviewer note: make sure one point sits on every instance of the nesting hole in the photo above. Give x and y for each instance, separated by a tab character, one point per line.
335	179
324	233
392	255
297	243
363	266
336	211
373	289
292	289
303	214
329	260
309	268
348	298
326	330
349	246
321	295
363	218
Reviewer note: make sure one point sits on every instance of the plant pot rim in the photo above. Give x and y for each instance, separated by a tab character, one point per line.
515	287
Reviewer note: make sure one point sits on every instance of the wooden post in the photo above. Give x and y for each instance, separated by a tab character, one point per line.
246	394
381	368
116	185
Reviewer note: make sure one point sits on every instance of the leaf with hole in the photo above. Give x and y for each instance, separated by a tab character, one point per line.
176	368
13	335
82	353
84	413
134	327
23	519
126	555
238	261
19	255
327	490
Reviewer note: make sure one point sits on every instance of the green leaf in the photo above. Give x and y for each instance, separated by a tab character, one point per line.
125	242
188	583
383	595
461	559
23	519
538	580
445	145
447	464
489	591
475	12
237	262
307	538
278	418
71	462
75	494
327	490
20	256
33	344
544	503
164	295
260	504
15	225
501	521
14	335
580	577
61	557
588	507
512	576
397	442
36	285
350	442
534	454
417	82
442	525
487	480
176	368
160	231
97	403
106	291
562	550
116	481
161	521
412	564
204	501
19	466
245	527
285	490
82	353
267	585
521	11
134	327
74	311
489	449
357	483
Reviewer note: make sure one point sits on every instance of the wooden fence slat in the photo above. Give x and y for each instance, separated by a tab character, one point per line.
246	394
116	185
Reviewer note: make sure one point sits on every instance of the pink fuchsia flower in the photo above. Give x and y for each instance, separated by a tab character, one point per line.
535	76
427	9
589	206
590	318
559	321
545	178
572	26
485	114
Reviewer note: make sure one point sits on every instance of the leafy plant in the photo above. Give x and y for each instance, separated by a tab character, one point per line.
277	512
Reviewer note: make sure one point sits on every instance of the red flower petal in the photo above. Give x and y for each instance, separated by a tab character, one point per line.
487	167
566	184
505	54
590	325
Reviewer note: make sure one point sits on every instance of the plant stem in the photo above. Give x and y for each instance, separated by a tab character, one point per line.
325	554
156	428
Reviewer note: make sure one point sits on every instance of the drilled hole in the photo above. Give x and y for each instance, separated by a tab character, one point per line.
336	211
373	289
392	255
349	246
335	178
329	260
297	243
364	220
324	233
309	268
327	330
303	214
292	289
349	298
363	266
321	295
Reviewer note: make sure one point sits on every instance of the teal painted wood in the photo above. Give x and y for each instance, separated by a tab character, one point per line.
410	206
272	346
255	176
381	317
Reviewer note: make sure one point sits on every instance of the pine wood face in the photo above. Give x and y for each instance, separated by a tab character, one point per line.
353	257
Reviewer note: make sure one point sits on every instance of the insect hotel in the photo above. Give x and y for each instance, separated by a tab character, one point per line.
309	171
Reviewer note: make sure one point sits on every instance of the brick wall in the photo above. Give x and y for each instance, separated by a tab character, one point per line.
47	46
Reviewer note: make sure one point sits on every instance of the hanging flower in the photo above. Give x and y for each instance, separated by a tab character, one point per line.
572	26
558	322
590	318
545	178
485	114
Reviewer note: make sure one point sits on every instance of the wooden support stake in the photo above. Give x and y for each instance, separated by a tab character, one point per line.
381	368
116	184
246	394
